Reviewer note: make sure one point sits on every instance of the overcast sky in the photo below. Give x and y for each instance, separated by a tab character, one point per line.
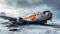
28	3
29	6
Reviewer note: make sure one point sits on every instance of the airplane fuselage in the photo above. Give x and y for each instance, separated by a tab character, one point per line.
35	18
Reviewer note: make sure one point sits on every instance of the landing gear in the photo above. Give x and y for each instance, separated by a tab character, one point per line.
43	22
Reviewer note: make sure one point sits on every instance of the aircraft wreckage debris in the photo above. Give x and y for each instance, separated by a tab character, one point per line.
14	29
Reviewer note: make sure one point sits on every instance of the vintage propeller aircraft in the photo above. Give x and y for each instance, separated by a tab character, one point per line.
36	18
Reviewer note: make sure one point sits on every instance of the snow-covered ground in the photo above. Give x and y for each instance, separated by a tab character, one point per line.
31	29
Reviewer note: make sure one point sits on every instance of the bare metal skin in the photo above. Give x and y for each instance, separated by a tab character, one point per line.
39	18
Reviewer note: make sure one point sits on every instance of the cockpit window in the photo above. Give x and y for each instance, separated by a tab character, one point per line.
46	13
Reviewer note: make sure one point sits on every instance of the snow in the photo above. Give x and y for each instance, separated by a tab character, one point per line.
31	29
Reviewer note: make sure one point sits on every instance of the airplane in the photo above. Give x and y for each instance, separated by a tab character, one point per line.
35	18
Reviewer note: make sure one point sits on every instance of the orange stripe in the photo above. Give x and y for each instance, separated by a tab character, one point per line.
31	18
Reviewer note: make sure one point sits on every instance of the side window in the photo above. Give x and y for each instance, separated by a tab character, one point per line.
35	14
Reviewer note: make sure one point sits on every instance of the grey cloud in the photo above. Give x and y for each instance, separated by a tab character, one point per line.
30	3
53	3
23	3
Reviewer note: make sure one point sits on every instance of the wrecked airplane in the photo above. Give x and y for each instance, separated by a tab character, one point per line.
36	18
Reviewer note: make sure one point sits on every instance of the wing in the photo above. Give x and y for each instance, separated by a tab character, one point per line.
8	18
